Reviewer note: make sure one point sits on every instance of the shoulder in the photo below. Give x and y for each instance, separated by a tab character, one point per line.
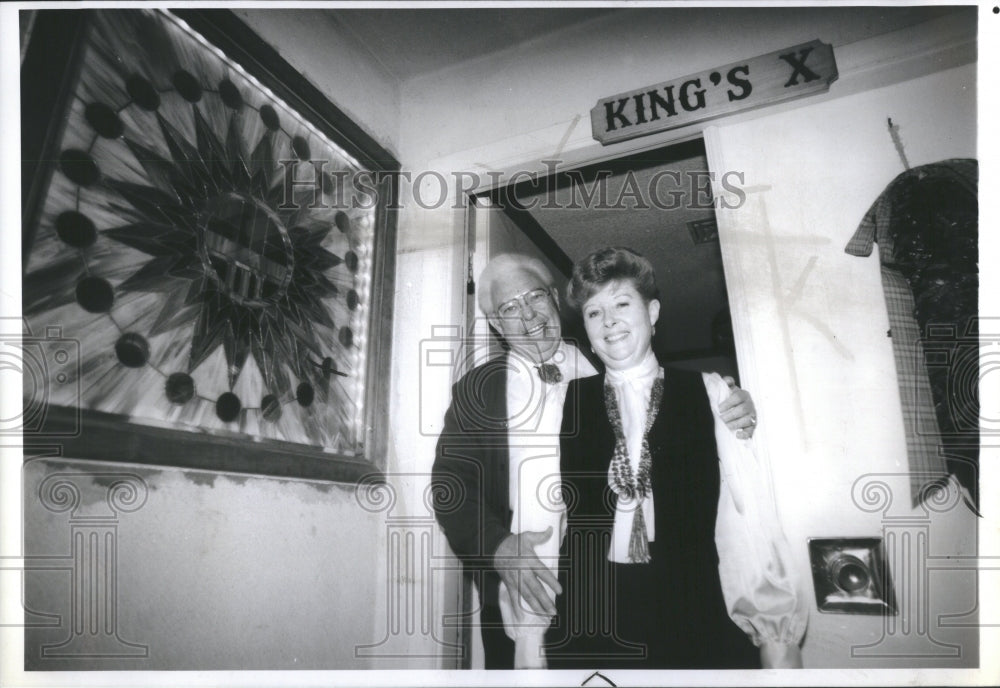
478	398
595	379
687	380
577	364
585	390
492	372
687	392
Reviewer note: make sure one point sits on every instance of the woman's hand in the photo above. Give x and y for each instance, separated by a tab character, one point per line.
738	411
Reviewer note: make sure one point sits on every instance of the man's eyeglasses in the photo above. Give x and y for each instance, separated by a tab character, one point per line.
532	299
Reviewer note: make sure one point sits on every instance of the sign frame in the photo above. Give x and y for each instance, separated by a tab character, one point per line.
801	70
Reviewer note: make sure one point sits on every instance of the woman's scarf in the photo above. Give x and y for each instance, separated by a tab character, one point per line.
632	398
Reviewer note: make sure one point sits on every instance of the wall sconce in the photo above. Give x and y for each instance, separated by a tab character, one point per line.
850	576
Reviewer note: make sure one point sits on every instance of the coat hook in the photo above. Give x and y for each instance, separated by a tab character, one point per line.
898	142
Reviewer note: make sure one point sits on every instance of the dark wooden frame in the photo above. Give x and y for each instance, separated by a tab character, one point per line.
53	61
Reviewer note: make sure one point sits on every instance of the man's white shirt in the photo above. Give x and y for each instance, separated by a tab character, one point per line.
534	410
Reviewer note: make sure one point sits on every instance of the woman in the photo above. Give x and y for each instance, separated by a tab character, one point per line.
666	563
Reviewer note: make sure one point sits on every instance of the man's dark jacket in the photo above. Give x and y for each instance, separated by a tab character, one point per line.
471	472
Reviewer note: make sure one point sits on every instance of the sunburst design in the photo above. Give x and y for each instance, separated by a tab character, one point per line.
244	293
254	265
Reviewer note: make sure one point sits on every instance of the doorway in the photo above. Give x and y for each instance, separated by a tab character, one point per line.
658	202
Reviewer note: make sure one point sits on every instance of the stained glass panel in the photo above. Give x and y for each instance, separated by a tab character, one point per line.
209	248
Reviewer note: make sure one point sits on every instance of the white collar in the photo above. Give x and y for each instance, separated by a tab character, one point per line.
645	370
559	357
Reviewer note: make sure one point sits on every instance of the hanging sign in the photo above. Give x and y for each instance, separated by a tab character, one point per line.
782	75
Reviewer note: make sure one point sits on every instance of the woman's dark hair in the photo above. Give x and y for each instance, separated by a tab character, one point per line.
611	264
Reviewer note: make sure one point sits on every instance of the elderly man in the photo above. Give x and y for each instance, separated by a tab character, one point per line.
498	450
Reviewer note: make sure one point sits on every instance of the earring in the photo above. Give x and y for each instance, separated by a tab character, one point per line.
653	334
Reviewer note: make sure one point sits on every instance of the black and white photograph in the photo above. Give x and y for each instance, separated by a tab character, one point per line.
491	343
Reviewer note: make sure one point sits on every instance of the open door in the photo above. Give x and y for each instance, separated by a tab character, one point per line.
659	203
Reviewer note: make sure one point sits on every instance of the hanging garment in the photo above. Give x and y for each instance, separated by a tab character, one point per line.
926	224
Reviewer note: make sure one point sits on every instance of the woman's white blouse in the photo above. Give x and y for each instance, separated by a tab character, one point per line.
755	563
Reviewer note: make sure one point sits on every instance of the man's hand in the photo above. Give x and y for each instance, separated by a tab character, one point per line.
523	573
738	411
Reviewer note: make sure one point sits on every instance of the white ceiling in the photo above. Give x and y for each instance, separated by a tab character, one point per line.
414	41
411	42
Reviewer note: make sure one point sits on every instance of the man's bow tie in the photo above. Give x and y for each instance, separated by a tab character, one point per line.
549	372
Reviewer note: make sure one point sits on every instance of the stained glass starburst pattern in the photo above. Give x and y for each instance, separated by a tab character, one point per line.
209	248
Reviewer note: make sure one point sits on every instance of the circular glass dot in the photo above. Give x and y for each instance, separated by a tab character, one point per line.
269	117
76	229
142	92
270	408
304	394
230	94
329	367
94	294
346	337
79	167
180	388
329	184
61	357
61	378
352	299
342	221
351	261
227	407
104	120
187	86
132	350
300	147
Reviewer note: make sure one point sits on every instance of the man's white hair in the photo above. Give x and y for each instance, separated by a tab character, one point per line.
502	265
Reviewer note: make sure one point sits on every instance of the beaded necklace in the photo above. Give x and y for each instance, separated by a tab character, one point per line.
623	482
